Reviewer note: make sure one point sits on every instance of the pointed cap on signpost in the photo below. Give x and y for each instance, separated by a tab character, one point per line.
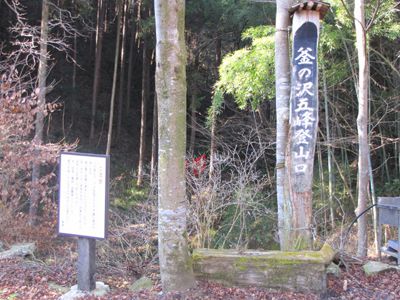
321	7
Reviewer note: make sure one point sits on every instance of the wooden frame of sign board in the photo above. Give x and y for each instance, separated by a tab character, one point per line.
84	195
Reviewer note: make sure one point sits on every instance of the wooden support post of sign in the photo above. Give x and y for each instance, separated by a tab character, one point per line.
86	264
303	119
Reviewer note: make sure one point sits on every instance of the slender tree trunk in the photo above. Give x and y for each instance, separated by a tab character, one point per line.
107	9
362	125
370	171
213	144
39	121
131	59
321	183
259	137
143	122
122	69
154	140
396	76
74	66
97	67
175	267
193	105
282	86
114	84
329	150
193	122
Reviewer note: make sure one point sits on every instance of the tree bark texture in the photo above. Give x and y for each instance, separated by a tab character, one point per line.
362	125
175	265
282	86
39	121
97	66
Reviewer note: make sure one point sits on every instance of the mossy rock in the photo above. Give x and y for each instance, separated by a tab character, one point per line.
376	267
143	283
333	269
298	271
58	288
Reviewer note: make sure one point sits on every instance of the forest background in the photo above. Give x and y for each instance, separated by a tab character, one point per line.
102	52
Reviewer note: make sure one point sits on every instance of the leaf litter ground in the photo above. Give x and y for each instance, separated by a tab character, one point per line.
52	272
37	279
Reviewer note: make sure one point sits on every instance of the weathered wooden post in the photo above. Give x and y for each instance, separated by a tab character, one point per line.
303	118
86	264
83	208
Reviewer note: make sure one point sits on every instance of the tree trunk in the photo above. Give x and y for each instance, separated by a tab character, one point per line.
153	163
175	265
97	66
329	150
114	84
282	86
193	122
143	122
213	144
74	66
122	69
362	125
39	121
370	171
193	103
131	60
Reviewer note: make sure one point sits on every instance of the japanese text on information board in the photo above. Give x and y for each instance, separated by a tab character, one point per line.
83	201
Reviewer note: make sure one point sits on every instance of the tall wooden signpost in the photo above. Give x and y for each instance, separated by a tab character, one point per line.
83	208
303	119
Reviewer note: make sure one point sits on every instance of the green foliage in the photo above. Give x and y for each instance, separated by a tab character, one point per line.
383	14
343	197
226	15
128	194
11	296
337	42
331	38
246	223
339	26
84	8
241	226
216	106
147	27
386	23
248	73
390	189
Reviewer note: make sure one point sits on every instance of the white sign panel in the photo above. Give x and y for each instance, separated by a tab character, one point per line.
83	202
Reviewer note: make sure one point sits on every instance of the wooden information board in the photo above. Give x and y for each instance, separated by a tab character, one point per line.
304	106
83	197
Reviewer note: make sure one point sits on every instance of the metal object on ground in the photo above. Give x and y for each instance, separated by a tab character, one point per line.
389	214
